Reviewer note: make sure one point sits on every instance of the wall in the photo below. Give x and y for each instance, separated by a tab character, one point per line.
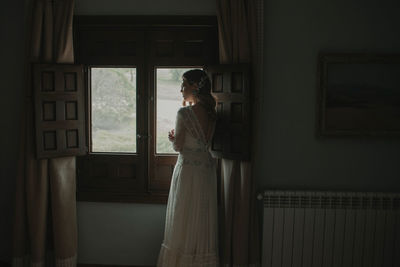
139	7
11	90
295	31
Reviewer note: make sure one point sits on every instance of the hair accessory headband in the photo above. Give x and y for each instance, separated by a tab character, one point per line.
202	81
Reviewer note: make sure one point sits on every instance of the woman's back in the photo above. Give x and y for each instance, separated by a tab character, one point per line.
195	147
206	122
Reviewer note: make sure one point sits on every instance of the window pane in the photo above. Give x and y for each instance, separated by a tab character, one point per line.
113	93
169	100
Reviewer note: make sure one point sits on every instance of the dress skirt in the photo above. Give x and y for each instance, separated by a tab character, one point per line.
191	237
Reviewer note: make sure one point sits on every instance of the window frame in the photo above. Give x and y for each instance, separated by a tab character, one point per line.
147	188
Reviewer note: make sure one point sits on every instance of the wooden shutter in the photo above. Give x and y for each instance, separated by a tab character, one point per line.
230	85
59	110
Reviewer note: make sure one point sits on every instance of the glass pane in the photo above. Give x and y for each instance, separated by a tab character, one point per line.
169	100
113	95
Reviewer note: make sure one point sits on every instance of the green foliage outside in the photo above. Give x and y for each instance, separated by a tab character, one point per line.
114	108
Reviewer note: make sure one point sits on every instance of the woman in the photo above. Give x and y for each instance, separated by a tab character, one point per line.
190	237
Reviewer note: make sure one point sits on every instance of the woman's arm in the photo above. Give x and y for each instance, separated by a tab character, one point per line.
177	136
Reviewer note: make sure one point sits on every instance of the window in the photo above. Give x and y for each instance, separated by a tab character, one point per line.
133	68
113	109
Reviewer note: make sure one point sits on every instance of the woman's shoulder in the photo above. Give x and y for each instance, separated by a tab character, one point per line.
183	110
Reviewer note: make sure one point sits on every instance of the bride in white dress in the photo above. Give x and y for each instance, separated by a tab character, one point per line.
191	237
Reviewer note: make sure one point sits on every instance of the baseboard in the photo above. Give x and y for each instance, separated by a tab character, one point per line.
7	264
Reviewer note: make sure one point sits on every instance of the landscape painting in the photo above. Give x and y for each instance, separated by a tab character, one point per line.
359	95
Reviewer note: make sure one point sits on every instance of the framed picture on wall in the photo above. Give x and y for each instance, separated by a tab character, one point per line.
358	95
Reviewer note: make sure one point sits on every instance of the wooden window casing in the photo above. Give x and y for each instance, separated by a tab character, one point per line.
146	43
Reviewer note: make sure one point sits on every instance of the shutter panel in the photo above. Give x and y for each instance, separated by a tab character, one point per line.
59	110
230	85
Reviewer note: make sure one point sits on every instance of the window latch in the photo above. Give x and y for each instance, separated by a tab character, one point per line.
140	136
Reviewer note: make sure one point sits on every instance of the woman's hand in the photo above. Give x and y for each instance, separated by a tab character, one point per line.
171	135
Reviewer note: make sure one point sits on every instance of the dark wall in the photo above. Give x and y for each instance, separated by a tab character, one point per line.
291	157
12	56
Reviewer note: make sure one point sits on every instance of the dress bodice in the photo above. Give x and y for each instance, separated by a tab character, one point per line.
190	140
195	153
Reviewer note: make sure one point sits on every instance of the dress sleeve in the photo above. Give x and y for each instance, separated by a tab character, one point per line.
179	132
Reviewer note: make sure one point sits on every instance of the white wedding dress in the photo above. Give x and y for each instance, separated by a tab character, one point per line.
191	238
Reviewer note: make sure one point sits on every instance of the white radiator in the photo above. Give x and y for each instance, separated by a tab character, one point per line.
330	229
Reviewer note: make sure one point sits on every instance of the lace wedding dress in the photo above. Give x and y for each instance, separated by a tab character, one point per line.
190	238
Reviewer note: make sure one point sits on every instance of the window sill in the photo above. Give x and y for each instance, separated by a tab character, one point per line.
96	196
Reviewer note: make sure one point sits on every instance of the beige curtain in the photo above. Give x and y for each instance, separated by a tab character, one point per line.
45	226
240	41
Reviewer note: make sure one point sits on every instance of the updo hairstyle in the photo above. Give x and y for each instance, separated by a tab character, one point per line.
203	94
